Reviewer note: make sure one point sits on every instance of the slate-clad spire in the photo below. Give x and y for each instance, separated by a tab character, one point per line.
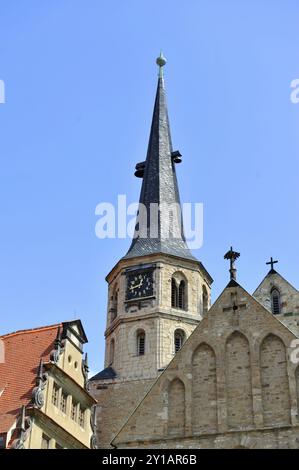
159	187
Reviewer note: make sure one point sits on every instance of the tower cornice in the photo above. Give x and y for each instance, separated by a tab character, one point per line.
177	261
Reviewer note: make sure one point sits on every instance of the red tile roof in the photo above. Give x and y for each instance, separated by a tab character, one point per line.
23	350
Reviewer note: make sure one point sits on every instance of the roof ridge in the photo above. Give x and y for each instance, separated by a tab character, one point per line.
31	330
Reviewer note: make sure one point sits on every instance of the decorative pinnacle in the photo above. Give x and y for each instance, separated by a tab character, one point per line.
161	61
232	256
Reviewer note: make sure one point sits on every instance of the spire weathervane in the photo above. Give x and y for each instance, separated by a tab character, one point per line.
232	256
272	262
161	61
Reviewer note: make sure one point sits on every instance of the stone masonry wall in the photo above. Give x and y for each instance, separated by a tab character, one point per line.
116	401
289	299
252	382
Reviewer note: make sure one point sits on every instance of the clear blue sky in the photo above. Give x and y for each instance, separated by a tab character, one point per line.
80	81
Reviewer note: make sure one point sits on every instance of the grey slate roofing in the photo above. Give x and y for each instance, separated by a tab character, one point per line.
159	186
108	373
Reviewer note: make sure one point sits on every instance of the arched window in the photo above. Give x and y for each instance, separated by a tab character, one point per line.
111	352
205	299
141	343
182	295
275	302
179	292
114	303
179	337
174	293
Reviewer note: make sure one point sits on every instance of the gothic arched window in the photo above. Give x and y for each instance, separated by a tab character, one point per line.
141	343
182	295
174	293
114	303
179	337
275	302
179	291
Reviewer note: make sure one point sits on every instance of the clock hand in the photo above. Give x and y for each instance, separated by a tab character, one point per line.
136	285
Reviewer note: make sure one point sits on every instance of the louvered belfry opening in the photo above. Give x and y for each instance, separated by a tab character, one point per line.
178	294
174	293
182	295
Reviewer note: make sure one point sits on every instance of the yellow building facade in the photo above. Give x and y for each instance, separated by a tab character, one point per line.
43	399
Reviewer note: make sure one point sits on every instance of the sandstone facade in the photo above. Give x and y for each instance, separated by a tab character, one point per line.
234	383
117	396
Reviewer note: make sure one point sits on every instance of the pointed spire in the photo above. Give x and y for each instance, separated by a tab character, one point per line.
159	225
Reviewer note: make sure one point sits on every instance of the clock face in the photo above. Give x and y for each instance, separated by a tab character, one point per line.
139	284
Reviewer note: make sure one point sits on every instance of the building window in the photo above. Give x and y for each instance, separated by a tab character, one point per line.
179	292
141	343
111	352
74	410
114	303
63	399
182	295
174	293
45	442
55	394
179	337
275	302
81	418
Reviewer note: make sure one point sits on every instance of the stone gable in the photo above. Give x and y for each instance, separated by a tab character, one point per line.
289	299
232	384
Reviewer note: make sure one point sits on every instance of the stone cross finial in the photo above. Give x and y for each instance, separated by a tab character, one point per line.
272	262
232	256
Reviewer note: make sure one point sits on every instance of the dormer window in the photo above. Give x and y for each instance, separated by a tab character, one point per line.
275	302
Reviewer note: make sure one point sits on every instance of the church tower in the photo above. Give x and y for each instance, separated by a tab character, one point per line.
157	293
